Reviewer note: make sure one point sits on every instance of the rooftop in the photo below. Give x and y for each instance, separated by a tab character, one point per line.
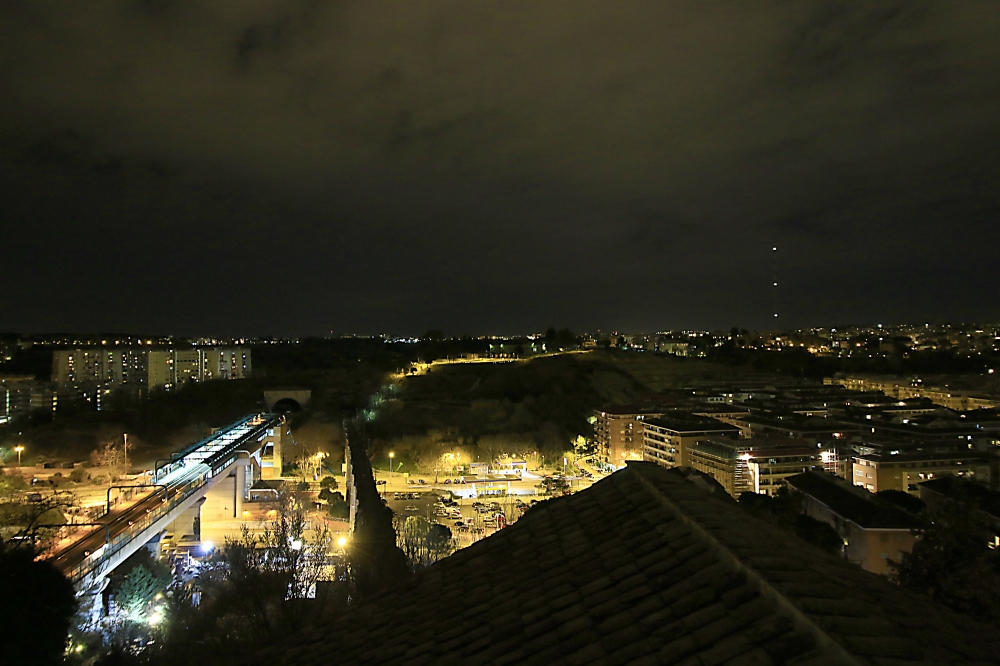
648	566
963	490
692	423
928	456
849	503
631	408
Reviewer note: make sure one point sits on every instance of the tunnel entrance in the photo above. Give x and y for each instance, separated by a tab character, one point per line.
287	405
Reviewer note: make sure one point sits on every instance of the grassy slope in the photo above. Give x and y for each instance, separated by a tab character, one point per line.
658	373
539	404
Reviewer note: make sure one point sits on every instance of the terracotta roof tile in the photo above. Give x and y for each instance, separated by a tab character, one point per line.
644	567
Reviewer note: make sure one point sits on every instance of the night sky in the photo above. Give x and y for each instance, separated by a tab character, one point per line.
255	167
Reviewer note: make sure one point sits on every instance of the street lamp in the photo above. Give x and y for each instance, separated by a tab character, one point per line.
19	449
391	456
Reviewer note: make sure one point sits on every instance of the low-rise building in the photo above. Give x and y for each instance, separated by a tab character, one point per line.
942	492
874	534
905	471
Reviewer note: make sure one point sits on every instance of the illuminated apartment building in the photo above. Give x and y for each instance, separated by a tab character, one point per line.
905	471
187	366
102	371
81	369
754	465
618	432
667	440
232	363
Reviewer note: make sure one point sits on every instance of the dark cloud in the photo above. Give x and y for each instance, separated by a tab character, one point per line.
291	166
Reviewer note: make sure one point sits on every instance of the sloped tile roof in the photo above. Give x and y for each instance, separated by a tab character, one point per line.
644	567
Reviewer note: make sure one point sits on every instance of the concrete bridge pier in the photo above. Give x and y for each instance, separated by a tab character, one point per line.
188	523
240	489
224	502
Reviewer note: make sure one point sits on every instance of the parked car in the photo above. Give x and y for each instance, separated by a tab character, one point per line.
411	507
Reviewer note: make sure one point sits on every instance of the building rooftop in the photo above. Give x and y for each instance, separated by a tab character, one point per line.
964	490
849	502
648	566
797	423
632	408
759	447
692	423
928	456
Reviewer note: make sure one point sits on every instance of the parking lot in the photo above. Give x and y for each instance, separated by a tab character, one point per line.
421	501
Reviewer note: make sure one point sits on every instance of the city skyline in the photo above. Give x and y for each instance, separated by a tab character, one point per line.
571	332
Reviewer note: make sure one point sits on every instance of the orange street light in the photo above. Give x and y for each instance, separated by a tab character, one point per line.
19	449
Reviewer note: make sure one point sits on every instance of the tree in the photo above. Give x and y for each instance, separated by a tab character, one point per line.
423	542
113	457
138	588
785	511
310	465
38	605
330	495
491	447
953	563
339	509
561	339
903	500
261	571
440	542
328	482
555	485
